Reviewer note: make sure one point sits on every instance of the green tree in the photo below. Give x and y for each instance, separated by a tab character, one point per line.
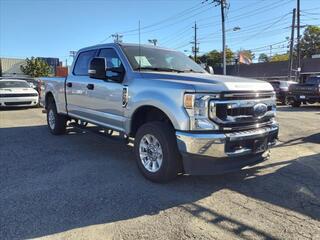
36	67
279	57
263	58
310	42
214	58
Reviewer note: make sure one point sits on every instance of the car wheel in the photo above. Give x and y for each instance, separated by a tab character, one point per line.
56	122
295	103
285	101
157	152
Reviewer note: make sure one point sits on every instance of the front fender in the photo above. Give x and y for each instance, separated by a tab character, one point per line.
170	103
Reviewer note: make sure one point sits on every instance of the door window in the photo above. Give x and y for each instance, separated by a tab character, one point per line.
113	61
82	63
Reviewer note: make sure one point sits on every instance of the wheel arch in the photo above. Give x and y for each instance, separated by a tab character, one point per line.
147	113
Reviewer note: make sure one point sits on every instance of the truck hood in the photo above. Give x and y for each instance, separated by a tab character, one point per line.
211	83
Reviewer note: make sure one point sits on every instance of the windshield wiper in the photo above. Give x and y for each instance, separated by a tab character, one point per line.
190	70
159	69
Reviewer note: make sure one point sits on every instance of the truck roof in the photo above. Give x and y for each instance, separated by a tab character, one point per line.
105	45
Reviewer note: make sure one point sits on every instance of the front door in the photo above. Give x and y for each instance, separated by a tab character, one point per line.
104	101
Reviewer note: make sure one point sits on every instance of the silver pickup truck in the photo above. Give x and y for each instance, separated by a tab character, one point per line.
183	120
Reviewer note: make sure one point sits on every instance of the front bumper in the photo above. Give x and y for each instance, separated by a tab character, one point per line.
19	101
304	98
205	153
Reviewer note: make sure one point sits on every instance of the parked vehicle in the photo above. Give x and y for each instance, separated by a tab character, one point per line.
33	82
281	88
308	92
17	93
182	119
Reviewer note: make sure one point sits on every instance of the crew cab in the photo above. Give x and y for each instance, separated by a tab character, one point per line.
308	92
181	118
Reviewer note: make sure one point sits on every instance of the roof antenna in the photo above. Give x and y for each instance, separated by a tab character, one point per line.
139	48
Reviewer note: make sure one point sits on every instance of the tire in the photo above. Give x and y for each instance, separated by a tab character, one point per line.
285	101
170	162
56	122
295	103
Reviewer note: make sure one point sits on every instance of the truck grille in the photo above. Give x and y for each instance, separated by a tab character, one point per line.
19	95
238	111
16	103
246	95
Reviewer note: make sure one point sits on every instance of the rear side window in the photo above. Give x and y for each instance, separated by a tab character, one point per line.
82	64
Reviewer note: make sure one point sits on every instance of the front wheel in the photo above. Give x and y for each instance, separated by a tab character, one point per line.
157	152
295	103
56	122
285	101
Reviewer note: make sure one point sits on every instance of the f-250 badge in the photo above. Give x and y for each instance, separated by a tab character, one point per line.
125	96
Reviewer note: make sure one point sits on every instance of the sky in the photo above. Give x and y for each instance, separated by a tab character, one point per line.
52	28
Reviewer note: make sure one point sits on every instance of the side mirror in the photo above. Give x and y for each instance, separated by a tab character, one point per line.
209	69
97	68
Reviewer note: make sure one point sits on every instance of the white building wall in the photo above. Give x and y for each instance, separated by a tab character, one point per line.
11	67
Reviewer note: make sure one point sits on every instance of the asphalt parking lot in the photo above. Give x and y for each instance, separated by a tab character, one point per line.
87	186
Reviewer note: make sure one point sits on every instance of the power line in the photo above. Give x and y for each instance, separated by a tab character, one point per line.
259	10
175	16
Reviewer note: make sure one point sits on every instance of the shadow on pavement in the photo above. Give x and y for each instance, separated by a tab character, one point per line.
303	108
50	184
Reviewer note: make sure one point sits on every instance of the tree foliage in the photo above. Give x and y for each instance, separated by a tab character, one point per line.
279	57
214	58
310	42
247	53
36	67
263	58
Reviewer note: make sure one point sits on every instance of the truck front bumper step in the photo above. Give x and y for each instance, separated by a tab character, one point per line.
229	150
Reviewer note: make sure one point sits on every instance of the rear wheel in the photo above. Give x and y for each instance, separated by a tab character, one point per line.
56	122
156	151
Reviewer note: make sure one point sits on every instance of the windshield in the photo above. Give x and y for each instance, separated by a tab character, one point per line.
313	80
155	59
14	84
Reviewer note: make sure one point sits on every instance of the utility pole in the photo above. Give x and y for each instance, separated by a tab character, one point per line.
223	5
117	38
291	44
72	54
195	48
224	61
298	40
153	41
270	52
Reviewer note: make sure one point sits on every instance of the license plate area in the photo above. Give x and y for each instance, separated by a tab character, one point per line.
260	145
250	145
302	97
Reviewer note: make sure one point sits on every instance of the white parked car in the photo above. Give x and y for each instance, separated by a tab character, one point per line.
17	93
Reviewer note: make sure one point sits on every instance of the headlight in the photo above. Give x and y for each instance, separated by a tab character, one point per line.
197	107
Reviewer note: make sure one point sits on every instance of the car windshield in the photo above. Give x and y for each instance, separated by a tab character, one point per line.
275	84
14	84
156	59
313	80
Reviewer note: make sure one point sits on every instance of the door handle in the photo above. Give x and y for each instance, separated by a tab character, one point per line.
90	86
69	84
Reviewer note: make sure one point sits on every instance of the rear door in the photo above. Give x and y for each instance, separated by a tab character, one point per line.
76	85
